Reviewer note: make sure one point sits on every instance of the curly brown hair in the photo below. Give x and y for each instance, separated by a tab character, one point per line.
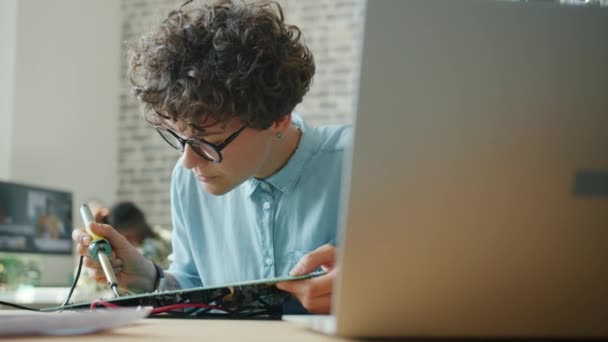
227	60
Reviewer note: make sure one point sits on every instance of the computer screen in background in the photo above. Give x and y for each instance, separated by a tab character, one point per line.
35	236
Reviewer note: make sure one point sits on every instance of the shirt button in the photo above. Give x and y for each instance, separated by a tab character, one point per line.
268	261
266	205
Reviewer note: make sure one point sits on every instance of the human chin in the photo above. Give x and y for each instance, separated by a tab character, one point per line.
215	186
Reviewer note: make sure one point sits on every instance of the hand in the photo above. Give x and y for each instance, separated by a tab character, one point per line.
314	293
133	272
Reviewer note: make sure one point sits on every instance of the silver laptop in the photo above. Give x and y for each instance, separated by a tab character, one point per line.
478	198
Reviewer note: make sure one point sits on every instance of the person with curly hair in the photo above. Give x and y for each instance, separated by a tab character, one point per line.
256	192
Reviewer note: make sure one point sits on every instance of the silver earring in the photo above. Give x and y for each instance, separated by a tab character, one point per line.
278	135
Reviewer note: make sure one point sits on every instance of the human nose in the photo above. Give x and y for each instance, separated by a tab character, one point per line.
191	158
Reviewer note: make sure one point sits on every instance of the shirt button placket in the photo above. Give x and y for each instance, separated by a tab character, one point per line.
268	248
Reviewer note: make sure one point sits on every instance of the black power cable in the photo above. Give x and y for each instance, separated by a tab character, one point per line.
17	306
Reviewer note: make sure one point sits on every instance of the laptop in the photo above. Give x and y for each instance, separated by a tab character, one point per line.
477	203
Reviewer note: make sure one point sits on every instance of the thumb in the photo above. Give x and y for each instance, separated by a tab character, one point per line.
116	240
322	256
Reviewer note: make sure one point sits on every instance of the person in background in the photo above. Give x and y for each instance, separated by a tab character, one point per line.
152	242
48	224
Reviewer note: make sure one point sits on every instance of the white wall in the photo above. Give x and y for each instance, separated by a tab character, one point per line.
65	99
8	29
66	96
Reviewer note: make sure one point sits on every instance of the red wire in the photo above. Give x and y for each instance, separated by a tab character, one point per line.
160	309
99	302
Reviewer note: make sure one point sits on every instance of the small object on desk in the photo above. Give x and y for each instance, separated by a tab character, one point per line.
67	322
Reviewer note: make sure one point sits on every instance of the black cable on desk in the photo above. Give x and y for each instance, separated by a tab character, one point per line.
17	306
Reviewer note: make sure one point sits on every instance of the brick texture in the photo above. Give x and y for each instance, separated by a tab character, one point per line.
332	29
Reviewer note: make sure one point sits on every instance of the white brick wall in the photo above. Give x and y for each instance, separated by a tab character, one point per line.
332	29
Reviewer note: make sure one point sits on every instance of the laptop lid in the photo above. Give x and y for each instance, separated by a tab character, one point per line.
478	200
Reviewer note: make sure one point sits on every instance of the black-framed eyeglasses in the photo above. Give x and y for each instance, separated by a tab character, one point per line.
203	148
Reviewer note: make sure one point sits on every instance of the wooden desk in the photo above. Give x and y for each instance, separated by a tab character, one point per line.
186	330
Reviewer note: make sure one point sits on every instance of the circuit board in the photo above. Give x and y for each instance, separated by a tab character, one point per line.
260	298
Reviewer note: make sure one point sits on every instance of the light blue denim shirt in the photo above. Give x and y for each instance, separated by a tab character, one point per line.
261	228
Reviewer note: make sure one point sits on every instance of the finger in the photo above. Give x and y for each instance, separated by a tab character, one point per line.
322	256
116	262
90	263
95	272
76	235
100	276
314	287
308	287
97	275
81	237
81	250
316	305
116	240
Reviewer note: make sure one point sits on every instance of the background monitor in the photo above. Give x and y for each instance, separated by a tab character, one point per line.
35	236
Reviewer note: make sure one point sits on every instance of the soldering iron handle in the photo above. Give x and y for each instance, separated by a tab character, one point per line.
87	217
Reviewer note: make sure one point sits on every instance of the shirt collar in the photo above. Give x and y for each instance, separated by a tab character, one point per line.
287	177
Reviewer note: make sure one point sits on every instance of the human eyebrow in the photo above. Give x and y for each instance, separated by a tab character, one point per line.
202	131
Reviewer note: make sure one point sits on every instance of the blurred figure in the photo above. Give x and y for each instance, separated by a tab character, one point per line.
153	242
48	224
130	221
